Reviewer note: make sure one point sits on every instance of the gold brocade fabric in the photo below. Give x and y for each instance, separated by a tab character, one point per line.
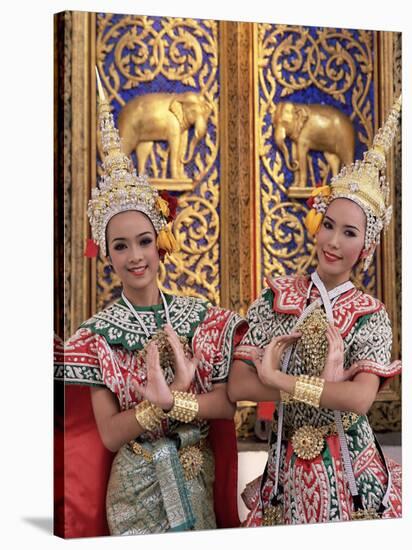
135	503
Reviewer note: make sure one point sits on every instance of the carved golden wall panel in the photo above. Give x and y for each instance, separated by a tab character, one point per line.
138	56
310	68
62	173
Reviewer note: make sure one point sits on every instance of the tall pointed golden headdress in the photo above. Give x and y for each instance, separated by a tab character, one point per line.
362	183
120	189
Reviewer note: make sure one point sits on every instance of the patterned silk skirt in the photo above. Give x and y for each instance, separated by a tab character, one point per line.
160	489
316	490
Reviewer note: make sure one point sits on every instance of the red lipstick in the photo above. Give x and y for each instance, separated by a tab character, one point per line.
331	257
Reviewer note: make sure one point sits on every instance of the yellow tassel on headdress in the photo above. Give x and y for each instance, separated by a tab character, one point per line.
166	240
313	221
319	199
162	206
324	190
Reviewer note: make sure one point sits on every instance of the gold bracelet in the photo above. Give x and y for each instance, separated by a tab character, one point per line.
158	413
285	397
185	407
308	389
148	416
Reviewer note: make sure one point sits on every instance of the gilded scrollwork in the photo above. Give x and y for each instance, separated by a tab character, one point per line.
142	58
311	68
397	179
245	419
67	170
63	193
386	416
194	270
284	243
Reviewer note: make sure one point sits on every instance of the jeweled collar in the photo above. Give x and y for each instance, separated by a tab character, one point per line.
118	325
290	295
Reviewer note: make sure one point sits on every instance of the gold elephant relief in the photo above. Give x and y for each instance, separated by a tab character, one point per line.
164	117
313	127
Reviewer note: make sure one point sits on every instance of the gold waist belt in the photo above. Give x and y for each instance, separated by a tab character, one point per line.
191	457
308	442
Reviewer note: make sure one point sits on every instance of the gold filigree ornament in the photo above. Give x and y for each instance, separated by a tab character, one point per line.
286	398
139	450
369	513
313	342
149	416
307	442
185	407
308	389
191	459
166	354
273	515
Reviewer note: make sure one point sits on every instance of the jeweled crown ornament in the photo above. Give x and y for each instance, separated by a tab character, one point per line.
120	189
364	183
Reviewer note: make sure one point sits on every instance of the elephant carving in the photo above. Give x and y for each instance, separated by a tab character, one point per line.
164	117
313	127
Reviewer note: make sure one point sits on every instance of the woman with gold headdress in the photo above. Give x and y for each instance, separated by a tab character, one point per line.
156	365
321	349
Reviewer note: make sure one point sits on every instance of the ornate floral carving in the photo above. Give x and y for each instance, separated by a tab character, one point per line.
140	54
307	65
385	416
63	193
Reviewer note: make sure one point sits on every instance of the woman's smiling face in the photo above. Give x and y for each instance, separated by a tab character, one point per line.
340	241
131	241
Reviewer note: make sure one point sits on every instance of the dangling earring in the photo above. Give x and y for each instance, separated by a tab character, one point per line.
367	261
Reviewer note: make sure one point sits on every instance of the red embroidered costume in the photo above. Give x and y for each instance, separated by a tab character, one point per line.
104	352
316	489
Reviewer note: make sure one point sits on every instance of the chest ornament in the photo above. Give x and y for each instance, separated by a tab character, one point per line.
313	342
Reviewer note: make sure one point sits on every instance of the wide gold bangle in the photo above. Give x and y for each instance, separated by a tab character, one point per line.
148	416
286	397
308	389
185	407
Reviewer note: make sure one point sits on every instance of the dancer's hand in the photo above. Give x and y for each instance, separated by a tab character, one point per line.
156	390
269	366
184	367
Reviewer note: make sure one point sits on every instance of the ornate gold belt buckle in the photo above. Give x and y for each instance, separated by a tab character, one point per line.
141	451
273	515
307	442
191	459
368	513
